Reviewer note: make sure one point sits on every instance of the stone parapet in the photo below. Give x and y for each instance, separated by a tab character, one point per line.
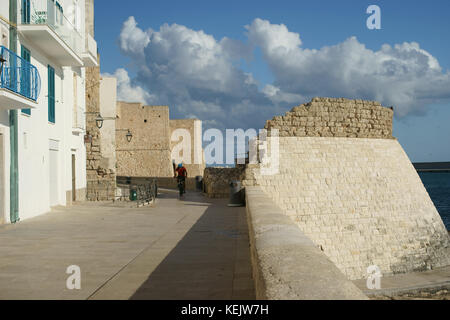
216	181
335	117
287	265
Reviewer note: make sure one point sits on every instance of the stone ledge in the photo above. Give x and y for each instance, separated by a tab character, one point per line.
286	264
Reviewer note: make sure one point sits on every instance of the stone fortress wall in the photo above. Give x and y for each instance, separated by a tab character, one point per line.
196	164
149	153
101	176
328	117
350	187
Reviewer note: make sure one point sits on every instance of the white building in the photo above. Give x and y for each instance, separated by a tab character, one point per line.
46	44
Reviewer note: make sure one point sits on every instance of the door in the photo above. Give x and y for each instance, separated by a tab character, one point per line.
54	198
74	195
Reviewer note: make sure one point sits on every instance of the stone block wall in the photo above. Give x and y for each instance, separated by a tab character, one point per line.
196	164
148	152
335	117
101	180
286	264
216	180
359	199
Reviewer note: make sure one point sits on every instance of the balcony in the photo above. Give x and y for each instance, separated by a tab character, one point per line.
20	82
46	26
90	56
78	120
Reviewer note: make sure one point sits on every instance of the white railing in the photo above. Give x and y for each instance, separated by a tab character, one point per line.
51	13
78	119
91	45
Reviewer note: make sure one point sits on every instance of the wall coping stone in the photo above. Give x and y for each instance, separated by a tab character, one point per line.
286	263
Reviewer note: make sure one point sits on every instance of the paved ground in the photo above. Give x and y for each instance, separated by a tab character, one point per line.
192	249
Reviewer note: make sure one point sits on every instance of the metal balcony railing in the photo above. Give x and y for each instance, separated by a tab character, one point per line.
51	13
19	76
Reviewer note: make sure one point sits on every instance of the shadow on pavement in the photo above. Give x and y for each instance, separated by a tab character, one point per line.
212	261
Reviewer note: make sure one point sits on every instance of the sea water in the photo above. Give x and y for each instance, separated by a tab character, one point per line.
438	187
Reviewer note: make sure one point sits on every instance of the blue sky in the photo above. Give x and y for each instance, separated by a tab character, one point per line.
422	129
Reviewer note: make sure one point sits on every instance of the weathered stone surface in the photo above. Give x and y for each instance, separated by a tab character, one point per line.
335	117
350	187
361	200
217	180
96	174
286	263
149	153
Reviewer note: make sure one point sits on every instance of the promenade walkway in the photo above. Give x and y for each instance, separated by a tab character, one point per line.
197	248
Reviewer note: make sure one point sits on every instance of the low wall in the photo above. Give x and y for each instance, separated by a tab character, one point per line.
216	181
361	200
163	182
286	264
335	117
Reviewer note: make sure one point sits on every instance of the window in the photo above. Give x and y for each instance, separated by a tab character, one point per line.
26	11
51	95
25	77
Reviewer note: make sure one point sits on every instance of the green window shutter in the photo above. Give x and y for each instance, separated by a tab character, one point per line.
25	11
51	95
25	79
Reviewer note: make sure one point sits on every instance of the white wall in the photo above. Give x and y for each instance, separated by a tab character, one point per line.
36	136
108	106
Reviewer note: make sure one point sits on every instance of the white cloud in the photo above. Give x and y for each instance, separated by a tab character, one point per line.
404	75
128	92
196	74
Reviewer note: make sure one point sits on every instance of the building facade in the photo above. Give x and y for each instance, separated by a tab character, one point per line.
146	142
47	46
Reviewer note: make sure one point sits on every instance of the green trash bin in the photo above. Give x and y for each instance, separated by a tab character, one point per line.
133	195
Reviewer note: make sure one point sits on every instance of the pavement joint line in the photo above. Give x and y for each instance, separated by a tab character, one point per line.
131	261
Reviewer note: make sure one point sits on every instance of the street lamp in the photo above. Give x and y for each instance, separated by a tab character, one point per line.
129	136
99	121
2	62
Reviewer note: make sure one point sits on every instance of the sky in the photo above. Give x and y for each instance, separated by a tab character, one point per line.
236	64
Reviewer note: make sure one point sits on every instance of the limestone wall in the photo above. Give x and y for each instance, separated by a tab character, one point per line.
359	199
216	181
148	152
101	178
195	164
286	264
108	102
335	117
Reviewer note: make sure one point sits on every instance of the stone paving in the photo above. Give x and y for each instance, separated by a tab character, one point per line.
196	248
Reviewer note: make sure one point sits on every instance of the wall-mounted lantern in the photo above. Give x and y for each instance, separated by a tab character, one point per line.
2	62
99	121
129	136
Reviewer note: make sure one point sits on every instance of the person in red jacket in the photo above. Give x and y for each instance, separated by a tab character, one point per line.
181	175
